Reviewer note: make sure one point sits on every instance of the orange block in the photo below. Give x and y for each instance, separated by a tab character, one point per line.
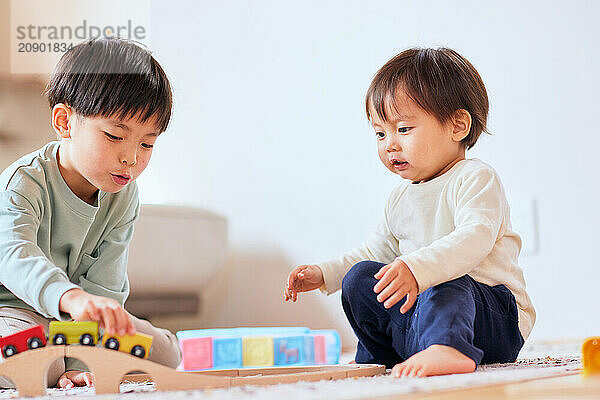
591	355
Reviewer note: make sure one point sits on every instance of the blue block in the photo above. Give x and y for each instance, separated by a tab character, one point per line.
309	350
227	353
288	350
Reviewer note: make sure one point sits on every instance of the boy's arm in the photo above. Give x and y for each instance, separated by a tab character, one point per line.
382	247
479	215
24	268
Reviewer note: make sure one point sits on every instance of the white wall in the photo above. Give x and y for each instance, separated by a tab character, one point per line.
269	130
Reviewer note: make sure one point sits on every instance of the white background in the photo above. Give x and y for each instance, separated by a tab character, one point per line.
269	130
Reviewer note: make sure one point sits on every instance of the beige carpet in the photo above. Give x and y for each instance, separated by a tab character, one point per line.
544	359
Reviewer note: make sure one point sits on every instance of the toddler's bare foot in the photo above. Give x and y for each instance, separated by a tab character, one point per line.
75	378
434	360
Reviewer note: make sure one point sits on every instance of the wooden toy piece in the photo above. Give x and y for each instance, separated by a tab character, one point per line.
137	345
71	332
109	367
313	373
19	342
28	371
591	356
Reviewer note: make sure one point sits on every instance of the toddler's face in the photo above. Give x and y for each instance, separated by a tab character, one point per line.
106	153
413	143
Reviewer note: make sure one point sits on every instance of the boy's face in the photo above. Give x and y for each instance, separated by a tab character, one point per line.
413	143
103	153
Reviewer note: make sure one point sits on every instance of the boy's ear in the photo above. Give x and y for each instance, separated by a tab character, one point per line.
461	124
62	120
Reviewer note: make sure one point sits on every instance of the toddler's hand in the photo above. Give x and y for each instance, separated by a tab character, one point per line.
83	306
303	279
396	281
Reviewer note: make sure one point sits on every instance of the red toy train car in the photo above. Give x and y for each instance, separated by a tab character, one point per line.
28	339
73	332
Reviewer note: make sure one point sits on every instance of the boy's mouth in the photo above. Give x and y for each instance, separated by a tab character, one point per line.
121	179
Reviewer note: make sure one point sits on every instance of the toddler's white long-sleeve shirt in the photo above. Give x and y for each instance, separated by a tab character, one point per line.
455	224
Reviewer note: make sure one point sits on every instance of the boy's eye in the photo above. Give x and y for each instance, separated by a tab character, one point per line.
112	137
147	146
403	130
380	135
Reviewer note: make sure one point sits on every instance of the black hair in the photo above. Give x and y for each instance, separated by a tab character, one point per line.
440	81
112	77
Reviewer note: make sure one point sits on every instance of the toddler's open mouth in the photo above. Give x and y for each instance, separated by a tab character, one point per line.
399	164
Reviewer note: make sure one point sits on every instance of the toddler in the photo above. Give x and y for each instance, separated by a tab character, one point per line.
437	289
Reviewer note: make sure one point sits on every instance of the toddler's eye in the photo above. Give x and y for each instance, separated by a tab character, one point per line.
403	130
380	135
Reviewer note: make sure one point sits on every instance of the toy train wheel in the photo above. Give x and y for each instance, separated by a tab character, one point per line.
34	343
138	351
86	339
112	343
59	339
9	351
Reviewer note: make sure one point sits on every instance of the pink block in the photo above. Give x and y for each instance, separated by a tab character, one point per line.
197	353
320	350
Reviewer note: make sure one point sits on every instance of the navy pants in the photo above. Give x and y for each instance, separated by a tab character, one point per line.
478	320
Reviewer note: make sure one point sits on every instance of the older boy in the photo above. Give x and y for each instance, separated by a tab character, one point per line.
445	245
67	210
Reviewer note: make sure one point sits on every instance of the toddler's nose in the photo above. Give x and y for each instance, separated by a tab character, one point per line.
392	143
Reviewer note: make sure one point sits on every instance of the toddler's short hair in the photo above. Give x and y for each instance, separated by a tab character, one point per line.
440	81
112	78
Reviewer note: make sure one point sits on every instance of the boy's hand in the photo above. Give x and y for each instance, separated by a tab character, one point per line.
303	279
75	378
396	281
83	306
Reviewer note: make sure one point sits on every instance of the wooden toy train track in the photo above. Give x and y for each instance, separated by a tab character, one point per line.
28	371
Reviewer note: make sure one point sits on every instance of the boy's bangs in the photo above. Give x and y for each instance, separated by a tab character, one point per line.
112	78
133	96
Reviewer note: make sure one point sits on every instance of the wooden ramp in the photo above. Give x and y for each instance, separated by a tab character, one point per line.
28	371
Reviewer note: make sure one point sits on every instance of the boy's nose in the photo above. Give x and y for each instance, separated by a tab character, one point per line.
129	159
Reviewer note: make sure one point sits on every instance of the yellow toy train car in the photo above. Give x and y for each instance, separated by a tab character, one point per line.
70	332
137	345
86	333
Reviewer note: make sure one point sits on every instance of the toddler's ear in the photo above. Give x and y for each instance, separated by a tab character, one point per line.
62	119
461	124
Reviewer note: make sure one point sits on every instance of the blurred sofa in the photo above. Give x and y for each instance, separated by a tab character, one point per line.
174	253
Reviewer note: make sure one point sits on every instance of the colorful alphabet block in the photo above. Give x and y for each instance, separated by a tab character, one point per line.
197	353
257	347
289	350
257	351
227	353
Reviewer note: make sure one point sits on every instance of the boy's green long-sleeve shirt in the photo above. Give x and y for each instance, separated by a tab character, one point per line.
51	241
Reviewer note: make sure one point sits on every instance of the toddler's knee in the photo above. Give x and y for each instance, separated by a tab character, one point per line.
456	291
360	273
